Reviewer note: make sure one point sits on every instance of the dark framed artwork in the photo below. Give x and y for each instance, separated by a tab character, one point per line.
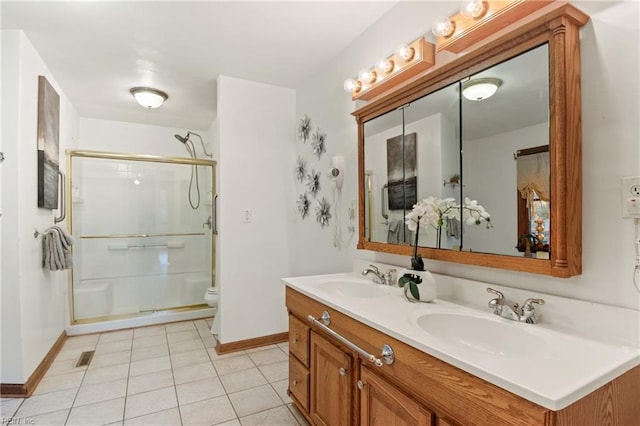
48	144
401	172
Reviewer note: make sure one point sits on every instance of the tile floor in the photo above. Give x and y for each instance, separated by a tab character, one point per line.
160	375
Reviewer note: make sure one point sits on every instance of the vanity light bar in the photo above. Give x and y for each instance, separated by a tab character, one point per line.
495	15
406	62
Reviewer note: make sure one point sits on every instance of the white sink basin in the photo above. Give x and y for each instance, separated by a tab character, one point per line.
494	336
354	288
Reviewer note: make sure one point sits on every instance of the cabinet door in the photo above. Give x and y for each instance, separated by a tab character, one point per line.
331	386
383	404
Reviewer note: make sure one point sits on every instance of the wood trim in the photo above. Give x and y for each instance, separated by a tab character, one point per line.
423	60
500	14
256	342
27	389
558	25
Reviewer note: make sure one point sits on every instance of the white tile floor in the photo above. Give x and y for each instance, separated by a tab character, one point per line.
160	375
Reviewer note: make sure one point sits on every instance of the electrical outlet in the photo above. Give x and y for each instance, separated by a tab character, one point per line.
631	197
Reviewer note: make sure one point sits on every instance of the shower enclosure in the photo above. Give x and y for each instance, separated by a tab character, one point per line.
140	247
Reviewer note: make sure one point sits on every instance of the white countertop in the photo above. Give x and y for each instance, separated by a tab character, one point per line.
566	369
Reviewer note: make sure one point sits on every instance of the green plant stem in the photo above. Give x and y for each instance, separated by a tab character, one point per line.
415	246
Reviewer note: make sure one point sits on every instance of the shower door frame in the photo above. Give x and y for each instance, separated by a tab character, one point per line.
105	155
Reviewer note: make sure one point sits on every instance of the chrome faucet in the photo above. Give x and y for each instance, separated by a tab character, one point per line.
527	312
379	278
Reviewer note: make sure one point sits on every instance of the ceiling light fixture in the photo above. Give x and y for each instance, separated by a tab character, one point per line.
480	88
149	97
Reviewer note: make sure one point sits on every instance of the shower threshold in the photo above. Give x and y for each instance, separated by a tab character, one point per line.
119	322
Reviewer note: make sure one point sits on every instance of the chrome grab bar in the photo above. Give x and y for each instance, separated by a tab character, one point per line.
387	353
62	204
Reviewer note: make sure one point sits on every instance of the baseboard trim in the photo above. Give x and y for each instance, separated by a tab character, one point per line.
256	342
25	390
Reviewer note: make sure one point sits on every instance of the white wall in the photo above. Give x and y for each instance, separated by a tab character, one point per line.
256	137
33	300
610	149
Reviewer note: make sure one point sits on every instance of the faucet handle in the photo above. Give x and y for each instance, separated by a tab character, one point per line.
527	305
494	303
375	268
388	276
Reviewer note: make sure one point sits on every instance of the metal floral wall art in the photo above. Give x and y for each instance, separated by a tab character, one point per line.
317	142
303	205
304	128
313	182
323	212
301	169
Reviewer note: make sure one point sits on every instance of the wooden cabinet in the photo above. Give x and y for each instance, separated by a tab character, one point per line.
331	383
383	404
419	389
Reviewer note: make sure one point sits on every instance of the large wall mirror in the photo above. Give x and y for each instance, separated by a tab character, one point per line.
515	153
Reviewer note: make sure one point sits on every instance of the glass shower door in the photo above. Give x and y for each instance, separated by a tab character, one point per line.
143	237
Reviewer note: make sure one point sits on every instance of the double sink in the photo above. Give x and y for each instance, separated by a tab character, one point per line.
540	362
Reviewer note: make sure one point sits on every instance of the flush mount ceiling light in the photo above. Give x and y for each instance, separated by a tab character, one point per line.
480	88
149	97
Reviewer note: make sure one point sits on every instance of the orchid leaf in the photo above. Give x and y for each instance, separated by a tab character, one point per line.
413	288
404	280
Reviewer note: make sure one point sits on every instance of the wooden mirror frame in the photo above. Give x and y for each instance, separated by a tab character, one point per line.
558	25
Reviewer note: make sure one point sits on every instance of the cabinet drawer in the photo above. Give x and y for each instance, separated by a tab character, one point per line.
299	382
299	340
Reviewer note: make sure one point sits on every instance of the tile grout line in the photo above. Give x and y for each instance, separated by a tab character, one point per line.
66	420
126	388
173	377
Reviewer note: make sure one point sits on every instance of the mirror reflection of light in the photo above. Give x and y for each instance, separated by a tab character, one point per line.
136	182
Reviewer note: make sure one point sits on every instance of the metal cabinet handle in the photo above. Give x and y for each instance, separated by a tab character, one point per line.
295	339
342	371
294	382
387	352
360	385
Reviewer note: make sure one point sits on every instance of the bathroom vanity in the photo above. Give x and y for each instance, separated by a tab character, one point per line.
438	378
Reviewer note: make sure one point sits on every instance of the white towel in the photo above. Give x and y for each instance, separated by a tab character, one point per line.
56	249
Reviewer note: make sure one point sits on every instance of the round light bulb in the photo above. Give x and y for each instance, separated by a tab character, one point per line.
405	52
385	66
368	76
473	9
350	85
443	27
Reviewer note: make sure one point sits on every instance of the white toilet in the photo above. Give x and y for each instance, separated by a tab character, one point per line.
211	297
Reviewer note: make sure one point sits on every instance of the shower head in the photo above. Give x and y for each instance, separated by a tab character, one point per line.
182	139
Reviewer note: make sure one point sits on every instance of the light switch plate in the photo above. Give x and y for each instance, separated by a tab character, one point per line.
631	197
